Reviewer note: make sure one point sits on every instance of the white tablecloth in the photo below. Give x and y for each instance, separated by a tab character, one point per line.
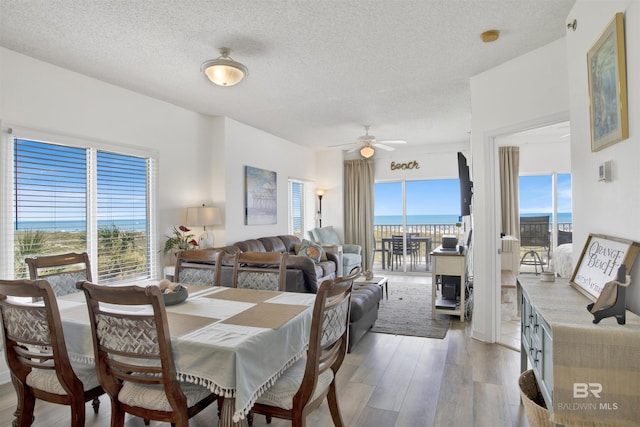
230	359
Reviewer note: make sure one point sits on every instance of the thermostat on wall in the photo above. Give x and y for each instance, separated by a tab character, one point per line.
604	171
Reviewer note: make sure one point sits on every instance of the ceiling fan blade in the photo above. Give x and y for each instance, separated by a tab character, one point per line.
342	145
384	147
392	141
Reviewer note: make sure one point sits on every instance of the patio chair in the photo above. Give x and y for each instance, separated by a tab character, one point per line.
303	387
534	234
37	355
134	357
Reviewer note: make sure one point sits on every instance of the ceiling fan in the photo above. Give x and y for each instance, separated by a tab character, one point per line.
366	144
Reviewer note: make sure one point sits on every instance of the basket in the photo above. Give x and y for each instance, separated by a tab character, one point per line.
534	406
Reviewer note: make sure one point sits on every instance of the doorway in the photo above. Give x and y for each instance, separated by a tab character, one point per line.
545	190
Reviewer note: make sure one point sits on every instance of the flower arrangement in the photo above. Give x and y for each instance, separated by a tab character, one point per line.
180	240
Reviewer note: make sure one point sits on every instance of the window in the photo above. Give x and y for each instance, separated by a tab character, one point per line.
537	195
73	199
296	208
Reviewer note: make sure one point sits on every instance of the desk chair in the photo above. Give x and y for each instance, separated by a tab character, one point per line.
62	271
304	386
37	354
145	385
261	270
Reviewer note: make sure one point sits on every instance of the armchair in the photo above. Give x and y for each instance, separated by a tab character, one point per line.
351	253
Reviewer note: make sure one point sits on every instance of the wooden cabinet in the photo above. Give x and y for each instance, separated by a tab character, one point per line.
587	373
536	346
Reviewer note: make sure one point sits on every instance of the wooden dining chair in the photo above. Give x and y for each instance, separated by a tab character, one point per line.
201	267
37	355
261	270
134	357
62	271
302	387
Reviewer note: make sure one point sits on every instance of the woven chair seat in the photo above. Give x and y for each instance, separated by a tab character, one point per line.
47	379
153	396
282	392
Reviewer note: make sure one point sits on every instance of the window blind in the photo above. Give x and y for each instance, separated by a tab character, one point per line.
72	199
296	208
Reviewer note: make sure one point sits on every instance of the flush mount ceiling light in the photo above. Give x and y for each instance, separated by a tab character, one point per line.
223	70
490	36
367	151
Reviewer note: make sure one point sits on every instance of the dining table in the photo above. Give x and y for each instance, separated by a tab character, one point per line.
236	342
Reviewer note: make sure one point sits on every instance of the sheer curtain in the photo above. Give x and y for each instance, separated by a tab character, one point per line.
358	207
509	200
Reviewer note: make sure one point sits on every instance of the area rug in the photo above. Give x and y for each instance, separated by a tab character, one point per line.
408	312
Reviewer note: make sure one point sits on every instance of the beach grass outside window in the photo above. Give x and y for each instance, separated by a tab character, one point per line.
296	208
69	198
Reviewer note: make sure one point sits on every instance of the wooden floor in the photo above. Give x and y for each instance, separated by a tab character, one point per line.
387	380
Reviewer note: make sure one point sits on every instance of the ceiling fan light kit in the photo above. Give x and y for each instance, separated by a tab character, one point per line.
224	71
367	151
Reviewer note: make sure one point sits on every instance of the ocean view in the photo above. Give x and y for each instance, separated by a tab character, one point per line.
563	217
78	226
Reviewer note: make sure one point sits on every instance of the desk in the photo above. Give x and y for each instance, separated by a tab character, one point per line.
448	263
223	352
387	247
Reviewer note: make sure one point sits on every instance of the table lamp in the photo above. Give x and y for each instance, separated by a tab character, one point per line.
201	217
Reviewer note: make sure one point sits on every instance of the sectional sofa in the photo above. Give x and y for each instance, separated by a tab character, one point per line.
305	275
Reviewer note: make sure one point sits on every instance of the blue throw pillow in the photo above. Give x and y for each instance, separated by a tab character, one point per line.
311	250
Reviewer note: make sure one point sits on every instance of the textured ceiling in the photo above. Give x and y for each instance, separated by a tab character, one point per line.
318	70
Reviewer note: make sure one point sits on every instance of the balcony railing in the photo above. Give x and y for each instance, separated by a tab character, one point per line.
434	231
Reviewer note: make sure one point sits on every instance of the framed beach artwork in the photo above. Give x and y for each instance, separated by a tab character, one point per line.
606	66
261	199
599	262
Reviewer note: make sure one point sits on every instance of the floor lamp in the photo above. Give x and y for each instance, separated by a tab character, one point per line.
320	193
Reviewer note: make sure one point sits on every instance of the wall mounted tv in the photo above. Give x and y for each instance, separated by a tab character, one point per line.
466	185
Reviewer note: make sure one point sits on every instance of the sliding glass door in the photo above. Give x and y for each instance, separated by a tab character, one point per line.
409	220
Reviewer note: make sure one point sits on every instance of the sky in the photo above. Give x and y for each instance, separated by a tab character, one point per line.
442	197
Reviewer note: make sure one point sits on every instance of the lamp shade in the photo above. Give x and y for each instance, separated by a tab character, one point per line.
223	70
203	216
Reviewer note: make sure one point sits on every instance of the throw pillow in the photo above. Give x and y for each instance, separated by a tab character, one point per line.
311	250
328	236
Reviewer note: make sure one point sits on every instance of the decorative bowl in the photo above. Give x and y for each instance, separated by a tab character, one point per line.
178	295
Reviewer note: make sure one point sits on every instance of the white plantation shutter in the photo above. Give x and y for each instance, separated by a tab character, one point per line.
296	208
69	198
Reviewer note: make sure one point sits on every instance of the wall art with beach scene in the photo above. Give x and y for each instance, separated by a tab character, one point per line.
606	65
261	196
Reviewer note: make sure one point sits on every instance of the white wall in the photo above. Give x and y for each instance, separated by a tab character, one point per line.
607	208
201	158
523	93
247	146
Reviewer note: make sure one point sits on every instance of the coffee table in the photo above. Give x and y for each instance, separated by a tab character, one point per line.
383	282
